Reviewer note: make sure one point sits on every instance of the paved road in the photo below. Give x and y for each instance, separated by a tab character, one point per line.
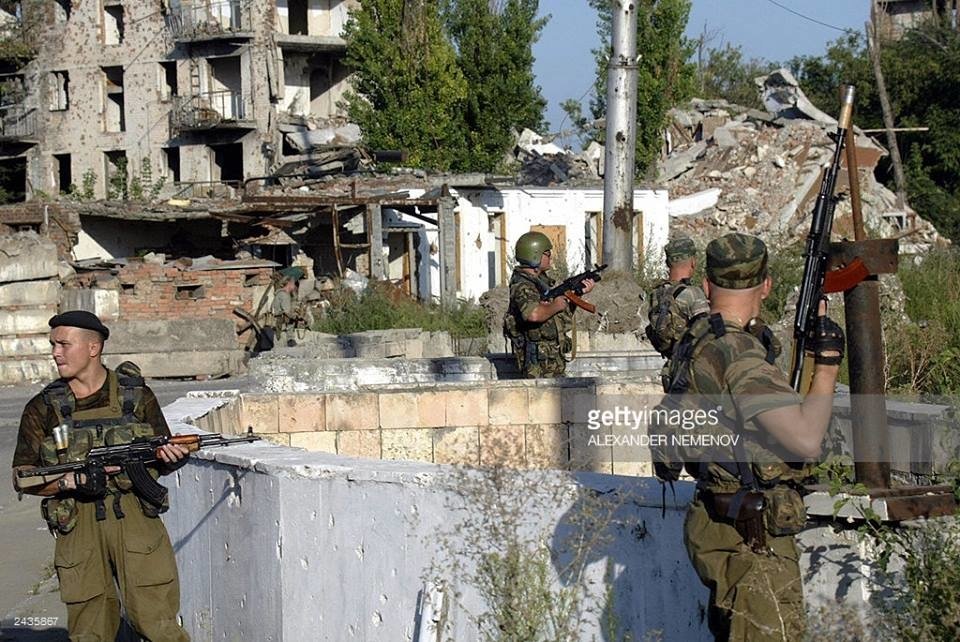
30	608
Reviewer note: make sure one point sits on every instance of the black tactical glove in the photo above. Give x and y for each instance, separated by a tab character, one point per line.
825	336
94	484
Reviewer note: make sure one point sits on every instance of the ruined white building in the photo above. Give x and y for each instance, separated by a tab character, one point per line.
202	90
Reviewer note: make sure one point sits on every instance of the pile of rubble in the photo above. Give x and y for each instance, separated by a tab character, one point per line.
544	164
730	168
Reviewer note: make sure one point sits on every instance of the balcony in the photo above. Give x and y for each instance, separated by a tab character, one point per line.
212	110
18	124
214	20
310	44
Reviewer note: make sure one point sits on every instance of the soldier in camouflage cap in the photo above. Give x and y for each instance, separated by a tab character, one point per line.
742	548
679	250
674	300
537	329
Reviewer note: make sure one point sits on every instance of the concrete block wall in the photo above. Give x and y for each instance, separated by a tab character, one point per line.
523	423
286	545
29	292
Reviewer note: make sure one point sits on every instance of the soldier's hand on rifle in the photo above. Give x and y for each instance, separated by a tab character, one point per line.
172	453
825	339
92	483
588	285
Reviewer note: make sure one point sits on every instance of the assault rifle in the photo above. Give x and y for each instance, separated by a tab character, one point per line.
818	243
572	288
132	458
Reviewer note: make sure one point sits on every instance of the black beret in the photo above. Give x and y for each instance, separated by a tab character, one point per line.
80	319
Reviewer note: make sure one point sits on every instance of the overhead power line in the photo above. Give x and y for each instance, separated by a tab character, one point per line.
806	17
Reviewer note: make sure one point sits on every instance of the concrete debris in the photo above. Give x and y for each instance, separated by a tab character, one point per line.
545	164
781	94
340	135
736	169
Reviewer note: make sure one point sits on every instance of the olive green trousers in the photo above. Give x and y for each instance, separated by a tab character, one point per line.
133	554
753	596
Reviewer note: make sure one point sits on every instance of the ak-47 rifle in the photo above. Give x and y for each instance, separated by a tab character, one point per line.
812	288
572	288
132	458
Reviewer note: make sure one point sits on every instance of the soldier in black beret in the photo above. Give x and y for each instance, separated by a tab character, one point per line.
106	535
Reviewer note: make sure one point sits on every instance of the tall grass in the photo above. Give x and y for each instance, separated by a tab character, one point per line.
382	308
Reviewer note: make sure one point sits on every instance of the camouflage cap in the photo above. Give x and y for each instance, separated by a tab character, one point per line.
679	249
736	261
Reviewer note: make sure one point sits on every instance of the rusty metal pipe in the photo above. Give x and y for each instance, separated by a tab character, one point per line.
865	358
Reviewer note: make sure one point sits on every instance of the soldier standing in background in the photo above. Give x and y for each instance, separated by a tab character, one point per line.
674	301
538	330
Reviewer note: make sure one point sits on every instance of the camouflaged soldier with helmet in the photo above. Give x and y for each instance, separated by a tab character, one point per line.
106	536
537	329
674	301
739	531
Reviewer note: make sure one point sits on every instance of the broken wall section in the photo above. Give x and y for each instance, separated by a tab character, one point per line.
29	292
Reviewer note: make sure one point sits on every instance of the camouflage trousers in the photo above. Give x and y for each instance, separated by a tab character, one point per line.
133	554
753	596
541	359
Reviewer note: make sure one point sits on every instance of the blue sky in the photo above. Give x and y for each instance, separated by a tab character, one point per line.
564	65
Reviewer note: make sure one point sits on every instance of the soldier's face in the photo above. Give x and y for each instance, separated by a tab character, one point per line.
73	350
545	260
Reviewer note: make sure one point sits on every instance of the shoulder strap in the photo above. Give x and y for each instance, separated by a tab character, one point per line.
130	383
59	398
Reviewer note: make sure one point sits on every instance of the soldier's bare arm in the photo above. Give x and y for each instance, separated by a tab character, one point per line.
800	428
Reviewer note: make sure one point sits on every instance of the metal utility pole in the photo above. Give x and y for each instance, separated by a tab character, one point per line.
621	141
873	47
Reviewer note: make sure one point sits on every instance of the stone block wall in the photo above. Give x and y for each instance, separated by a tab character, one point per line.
526	424
29	292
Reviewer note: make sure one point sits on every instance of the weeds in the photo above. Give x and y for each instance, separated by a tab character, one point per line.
381	307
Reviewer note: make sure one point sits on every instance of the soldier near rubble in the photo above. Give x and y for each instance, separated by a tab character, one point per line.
537	329
106	535
740	528
286	313
674	301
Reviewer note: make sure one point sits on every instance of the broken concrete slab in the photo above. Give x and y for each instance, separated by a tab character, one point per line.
21	293
26	321
782	95
209	363
36	345
176	337
27	369
26	256
103	303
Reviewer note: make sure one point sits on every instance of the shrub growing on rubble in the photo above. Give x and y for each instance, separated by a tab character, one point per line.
382	307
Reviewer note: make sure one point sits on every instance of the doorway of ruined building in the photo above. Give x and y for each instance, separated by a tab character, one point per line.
299	21
112	21
593	240
64	169
114	118
171	156
320	92
13	180
115	174
226	163
226	87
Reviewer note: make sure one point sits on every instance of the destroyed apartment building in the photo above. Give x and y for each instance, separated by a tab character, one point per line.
187	95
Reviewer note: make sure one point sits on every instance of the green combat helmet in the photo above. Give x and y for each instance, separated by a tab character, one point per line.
530	247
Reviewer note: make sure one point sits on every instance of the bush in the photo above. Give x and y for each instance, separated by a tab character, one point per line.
923	356
382	307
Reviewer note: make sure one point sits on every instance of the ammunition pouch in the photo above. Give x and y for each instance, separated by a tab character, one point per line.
60	514
785	513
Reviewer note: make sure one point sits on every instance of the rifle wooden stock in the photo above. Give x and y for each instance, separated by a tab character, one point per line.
579	302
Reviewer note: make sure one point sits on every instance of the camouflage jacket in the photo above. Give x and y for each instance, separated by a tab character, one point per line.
672	305
732	373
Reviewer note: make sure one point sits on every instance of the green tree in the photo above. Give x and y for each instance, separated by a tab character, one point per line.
665	75
408	91
494	43
922	73
727	75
